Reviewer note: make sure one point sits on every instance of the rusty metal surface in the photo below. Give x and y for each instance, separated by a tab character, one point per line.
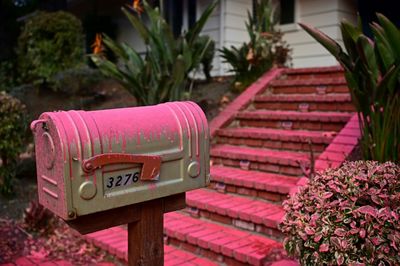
170	138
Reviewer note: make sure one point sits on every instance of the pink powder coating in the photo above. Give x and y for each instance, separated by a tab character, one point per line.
79	135
152	186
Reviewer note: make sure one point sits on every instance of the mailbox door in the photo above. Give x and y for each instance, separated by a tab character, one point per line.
51	158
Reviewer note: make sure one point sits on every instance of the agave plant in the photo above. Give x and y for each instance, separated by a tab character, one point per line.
372	71
160	75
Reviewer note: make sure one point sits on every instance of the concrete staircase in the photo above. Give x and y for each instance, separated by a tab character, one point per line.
259	143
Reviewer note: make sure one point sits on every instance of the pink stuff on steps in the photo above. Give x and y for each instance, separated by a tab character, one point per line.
235	220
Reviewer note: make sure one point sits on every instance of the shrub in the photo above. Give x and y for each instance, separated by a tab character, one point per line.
49	43
76	81
12	132
372	70
265	49
160	75
346	216
7	75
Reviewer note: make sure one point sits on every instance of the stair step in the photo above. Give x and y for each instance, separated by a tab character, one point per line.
337	97
115	241
223	243
312	73
276	138
308	82
236	208
313	70
259	181
284	162
307	86
327	121
305	102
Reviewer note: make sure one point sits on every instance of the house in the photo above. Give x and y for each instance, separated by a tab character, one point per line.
227	24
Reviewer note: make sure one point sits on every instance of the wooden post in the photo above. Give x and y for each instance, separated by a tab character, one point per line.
145	236
145	227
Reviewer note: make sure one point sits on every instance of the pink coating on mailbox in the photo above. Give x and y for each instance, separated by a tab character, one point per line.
68	142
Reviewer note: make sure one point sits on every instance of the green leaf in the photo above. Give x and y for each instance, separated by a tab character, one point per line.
116	48
194	32
137	24
385	51
178	75
331	45
367	55
392	33
388	84
350	35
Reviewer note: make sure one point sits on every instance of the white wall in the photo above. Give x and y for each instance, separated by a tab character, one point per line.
227	27
324	15
212	29
233	25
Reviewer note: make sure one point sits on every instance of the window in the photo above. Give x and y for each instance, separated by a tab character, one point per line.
287	12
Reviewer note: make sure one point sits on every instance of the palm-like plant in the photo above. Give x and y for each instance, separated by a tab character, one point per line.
372	71
162	73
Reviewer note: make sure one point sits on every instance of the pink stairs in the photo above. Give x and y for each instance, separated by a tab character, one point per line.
259	142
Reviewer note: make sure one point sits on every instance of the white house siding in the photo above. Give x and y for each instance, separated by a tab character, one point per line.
324	15
212	29
234	28
226	26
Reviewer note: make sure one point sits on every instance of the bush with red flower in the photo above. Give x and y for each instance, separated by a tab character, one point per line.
346	216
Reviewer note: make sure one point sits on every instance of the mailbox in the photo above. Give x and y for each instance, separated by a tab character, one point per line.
92	161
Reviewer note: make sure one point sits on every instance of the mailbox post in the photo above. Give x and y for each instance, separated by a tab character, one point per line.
100	169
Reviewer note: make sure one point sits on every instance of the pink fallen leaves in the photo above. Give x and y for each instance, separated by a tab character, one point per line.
41	254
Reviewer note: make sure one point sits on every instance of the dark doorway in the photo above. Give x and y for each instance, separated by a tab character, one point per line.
368	9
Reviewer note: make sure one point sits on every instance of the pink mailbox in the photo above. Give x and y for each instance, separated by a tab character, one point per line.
93	161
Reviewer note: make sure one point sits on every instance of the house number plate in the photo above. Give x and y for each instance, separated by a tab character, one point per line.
114	180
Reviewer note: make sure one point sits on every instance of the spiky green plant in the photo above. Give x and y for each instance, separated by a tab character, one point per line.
161	75
372	71
264	49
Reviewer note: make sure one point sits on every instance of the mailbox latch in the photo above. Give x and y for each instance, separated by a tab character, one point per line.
151	164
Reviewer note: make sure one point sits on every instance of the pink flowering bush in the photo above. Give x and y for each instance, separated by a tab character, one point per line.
346	216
